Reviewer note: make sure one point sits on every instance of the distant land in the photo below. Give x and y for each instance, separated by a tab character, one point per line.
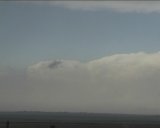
36	116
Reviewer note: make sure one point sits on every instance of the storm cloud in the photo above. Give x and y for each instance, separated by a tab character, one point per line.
123	83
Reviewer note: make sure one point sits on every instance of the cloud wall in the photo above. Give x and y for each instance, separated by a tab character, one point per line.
123	83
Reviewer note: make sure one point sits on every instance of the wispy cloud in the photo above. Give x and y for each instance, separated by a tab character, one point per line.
122	6
118	6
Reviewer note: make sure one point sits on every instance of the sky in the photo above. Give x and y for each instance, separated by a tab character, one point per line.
84	56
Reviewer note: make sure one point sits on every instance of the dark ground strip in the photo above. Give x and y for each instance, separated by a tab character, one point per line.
78	125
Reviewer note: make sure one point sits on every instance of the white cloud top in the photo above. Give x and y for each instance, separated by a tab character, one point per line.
127	83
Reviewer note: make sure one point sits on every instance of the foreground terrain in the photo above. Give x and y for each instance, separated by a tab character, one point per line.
76	120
